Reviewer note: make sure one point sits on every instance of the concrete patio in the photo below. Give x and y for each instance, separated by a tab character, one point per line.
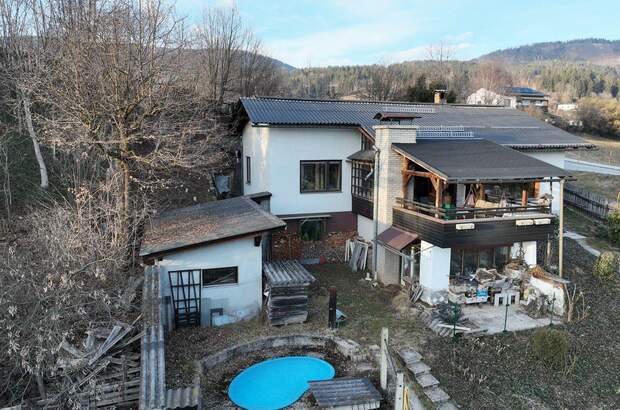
491	318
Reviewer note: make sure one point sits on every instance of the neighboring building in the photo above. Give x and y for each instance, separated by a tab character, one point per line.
567	107
210	258
523	97
513	97
459	186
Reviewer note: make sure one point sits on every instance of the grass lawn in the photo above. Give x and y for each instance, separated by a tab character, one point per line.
607	186
498	372
594	229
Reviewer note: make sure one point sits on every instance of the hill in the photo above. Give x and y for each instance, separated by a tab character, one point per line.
591	50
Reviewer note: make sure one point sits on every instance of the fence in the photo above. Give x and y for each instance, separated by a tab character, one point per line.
587	202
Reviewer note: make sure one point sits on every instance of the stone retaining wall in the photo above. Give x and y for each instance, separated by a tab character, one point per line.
348	348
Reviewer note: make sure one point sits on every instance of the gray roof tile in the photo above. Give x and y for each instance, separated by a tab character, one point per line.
506	126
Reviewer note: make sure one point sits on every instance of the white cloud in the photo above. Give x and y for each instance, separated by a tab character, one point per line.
334	47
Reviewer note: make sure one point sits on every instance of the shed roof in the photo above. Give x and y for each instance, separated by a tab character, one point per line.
286	273
205	223
474	160
503	125
363	155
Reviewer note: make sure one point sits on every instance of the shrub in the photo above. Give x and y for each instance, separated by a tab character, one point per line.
613	224
606	266
550	346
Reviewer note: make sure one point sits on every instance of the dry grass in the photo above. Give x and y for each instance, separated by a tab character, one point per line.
608	150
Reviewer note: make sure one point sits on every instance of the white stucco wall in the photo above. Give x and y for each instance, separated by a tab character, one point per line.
555	158
276	154
365	227
243	296
434	272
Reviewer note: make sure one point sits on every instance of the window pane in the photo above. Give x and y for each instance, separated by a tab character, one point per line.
321	177
311	230
501	256
219	276
470	261
333	176
308	177
486	258
456	260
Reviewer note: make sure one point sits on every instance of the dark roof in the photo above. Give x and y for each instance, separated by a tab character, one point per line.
397	115
205	223
396	238
476	160
344	392
526	91
363	155
502	125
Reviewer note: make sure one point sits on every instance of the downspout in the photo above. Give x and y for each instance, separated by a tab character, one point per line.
375	212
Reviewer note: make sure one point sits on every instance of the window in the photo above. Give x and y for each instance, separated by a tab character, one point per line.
361	180
366	144
467	261
320	176
311	229
220	276
248	170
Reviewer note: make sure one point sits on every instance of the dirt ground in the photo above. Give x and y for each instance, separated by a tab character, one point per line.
496	372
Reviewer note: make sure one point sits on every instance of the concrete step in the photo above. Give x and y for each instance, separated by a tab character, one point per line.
449	405
419	368
427	380
410	356
436	395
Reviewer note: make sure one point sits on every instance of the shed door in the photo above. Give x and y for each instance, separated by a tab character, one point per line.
185	290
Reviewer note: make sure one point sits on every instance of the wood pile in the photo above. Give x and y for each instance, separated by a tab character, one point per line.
287	285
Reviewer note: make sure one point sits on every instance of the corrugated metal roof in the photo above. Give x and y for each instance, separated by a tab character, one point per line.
285	273
204	223
524	91
460	161
506	126
396	238
367	155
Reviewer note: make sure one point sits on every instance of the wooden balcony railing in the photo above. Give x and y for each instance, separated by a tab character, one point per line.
470	213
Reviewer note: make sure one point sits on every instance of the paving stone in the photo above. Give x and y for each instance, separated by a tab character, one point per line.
447	406
436	395
427	380
410	356
419	368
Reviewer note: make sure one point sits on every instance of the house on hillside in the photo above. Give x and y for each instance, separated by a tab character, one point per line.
441	189
514	97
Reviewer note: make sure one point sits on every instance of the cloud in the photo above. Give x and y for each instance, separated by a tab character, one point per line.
336	46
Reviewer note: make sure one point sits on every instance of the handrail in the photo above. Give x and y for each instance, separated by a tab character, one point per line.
469	213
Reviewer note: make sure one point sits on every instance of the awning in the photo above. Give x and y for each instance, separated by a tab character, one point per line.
366	155
396	238
476	160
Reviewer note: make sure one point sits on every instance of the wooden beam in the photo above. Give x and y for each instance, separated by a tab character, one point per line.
561	232
524	196
406	177
424	174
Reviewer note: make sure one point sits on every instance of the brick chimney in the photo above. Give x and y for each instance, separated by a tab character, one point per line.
440	96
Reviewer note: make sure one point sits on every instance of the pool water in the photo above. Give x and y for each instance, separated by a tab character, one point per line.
277	383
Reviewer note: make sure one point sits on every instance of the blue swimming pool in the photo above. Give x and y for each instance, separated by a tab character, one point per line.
277	383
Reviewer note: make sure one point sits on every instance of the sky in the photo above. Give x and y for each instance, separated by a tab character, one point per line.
317	33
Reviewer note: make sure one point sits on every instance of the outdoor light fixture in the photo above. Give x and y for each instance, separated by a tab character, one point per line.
465	227
543	221
525	222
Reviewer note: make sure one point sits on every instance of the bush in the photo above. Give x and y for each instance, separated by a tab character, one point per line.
613	226
550	346
606	266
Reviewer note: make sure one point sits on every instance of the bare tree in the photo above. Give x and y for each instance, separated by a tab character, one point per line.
385	83
440	53
492	76
232	60
20	55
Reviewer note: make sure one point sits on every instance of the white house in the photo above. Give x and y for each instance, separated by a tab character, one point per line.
210	259
444	189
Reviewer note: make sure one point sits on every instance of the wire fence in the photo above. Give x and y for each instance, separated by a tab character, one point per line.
587	202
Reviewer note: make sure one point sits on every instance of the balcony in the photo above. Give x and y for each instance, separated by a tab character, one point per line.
473	227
